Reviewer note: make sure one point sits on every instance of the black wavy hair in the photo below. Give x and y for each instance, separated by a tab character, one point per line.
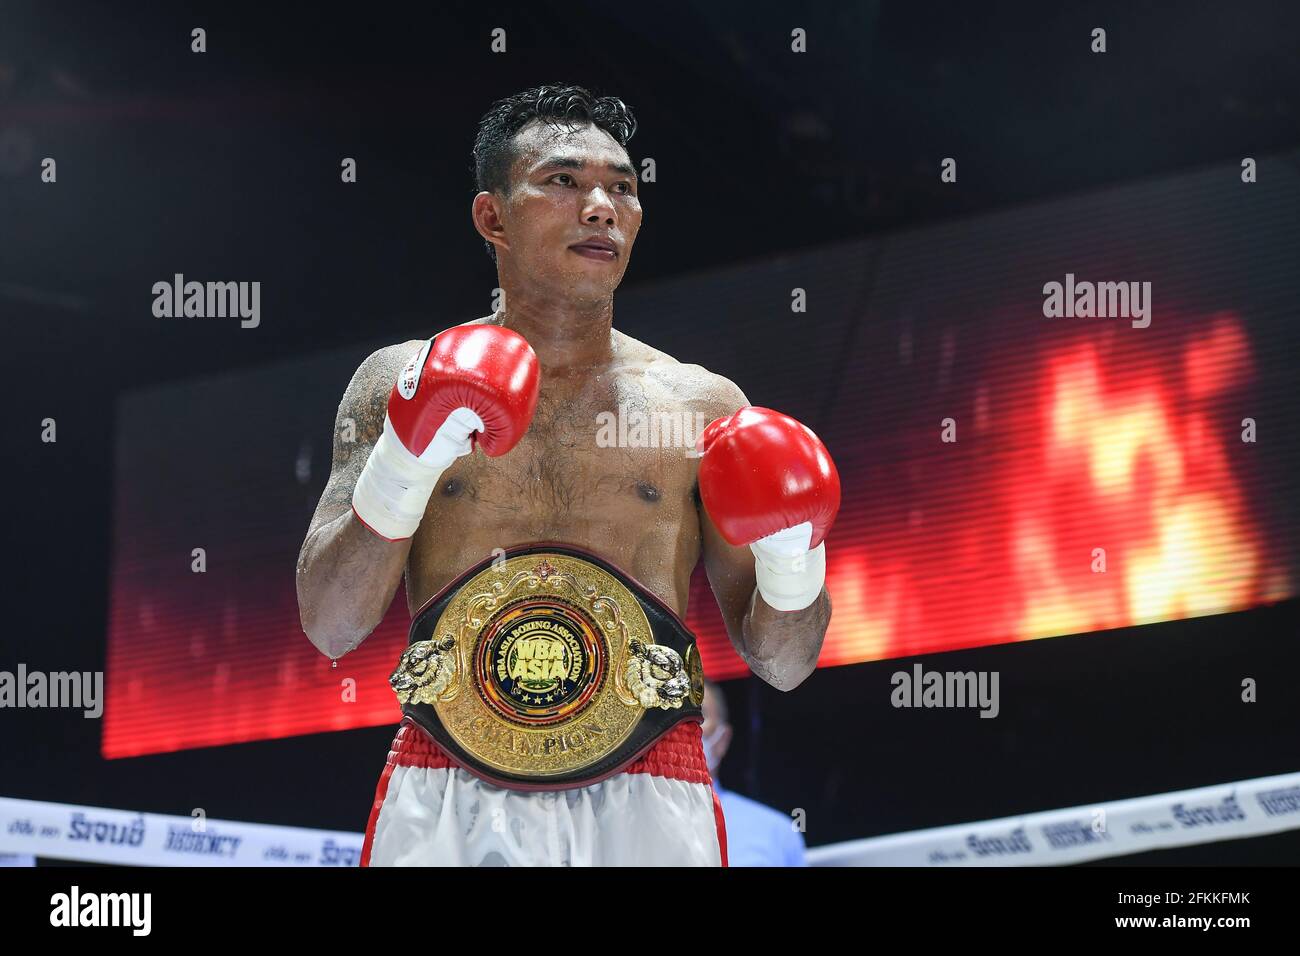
554	104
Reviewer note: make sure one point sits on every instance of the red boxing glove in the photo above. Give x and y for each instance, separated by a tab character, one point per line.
764	472
487	369
768	482
472	383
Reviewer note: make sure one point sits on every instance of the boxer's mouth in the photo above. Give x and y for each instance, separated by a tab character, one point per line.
602	249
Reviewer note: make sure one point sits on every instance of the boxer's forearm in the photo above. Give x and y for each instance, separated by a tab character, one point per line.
347	576
782	647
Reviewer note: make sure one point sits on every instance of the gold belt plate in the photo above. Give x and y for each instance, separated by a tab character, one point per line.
542	664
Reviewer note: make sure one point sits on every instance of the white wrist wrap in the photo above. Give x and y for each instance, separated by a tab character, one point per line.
790	576
394	487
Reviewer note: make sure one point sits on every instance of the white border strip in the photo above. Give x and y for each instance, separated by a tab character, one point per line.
1224	812
65	831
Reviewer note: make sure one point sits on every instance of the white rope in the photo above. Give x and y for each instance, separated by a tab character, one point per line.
65	831
1227	811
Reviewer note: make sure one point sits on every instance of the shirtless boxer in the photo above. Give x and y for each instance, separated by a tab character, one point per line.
413	495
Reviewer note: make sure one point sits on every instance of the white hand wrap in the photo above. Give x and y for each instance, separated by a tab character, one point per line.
790	576
394	487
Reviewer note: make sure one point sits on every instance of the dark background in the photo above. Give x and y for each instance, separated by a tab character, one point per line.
226	165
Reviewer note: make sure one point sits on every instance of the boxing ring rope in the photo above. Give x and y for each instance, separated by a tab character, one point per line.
97	835
1229	811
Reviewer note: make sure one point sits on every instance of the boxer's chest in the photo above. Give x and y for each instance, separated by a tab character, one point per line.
607	464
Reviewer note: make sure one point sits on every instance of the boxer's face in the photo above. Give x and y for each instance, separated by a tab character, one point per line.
569	187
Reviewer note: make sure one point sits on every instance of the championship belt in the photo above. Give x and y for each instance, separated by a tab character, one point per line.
547	668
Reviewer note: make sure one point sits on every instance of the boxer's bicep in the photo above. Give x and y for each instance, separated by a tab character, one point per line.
357	426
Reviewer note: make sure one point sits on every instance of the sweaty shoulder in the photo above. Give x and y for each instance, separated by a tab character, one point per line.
716	393
375	376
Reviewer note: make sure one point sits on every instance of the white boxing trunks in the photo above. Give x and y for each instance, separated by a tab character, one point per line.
658	811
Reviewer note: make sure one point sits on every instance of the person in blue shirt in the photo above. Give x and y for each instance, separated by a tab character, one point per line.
756	835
